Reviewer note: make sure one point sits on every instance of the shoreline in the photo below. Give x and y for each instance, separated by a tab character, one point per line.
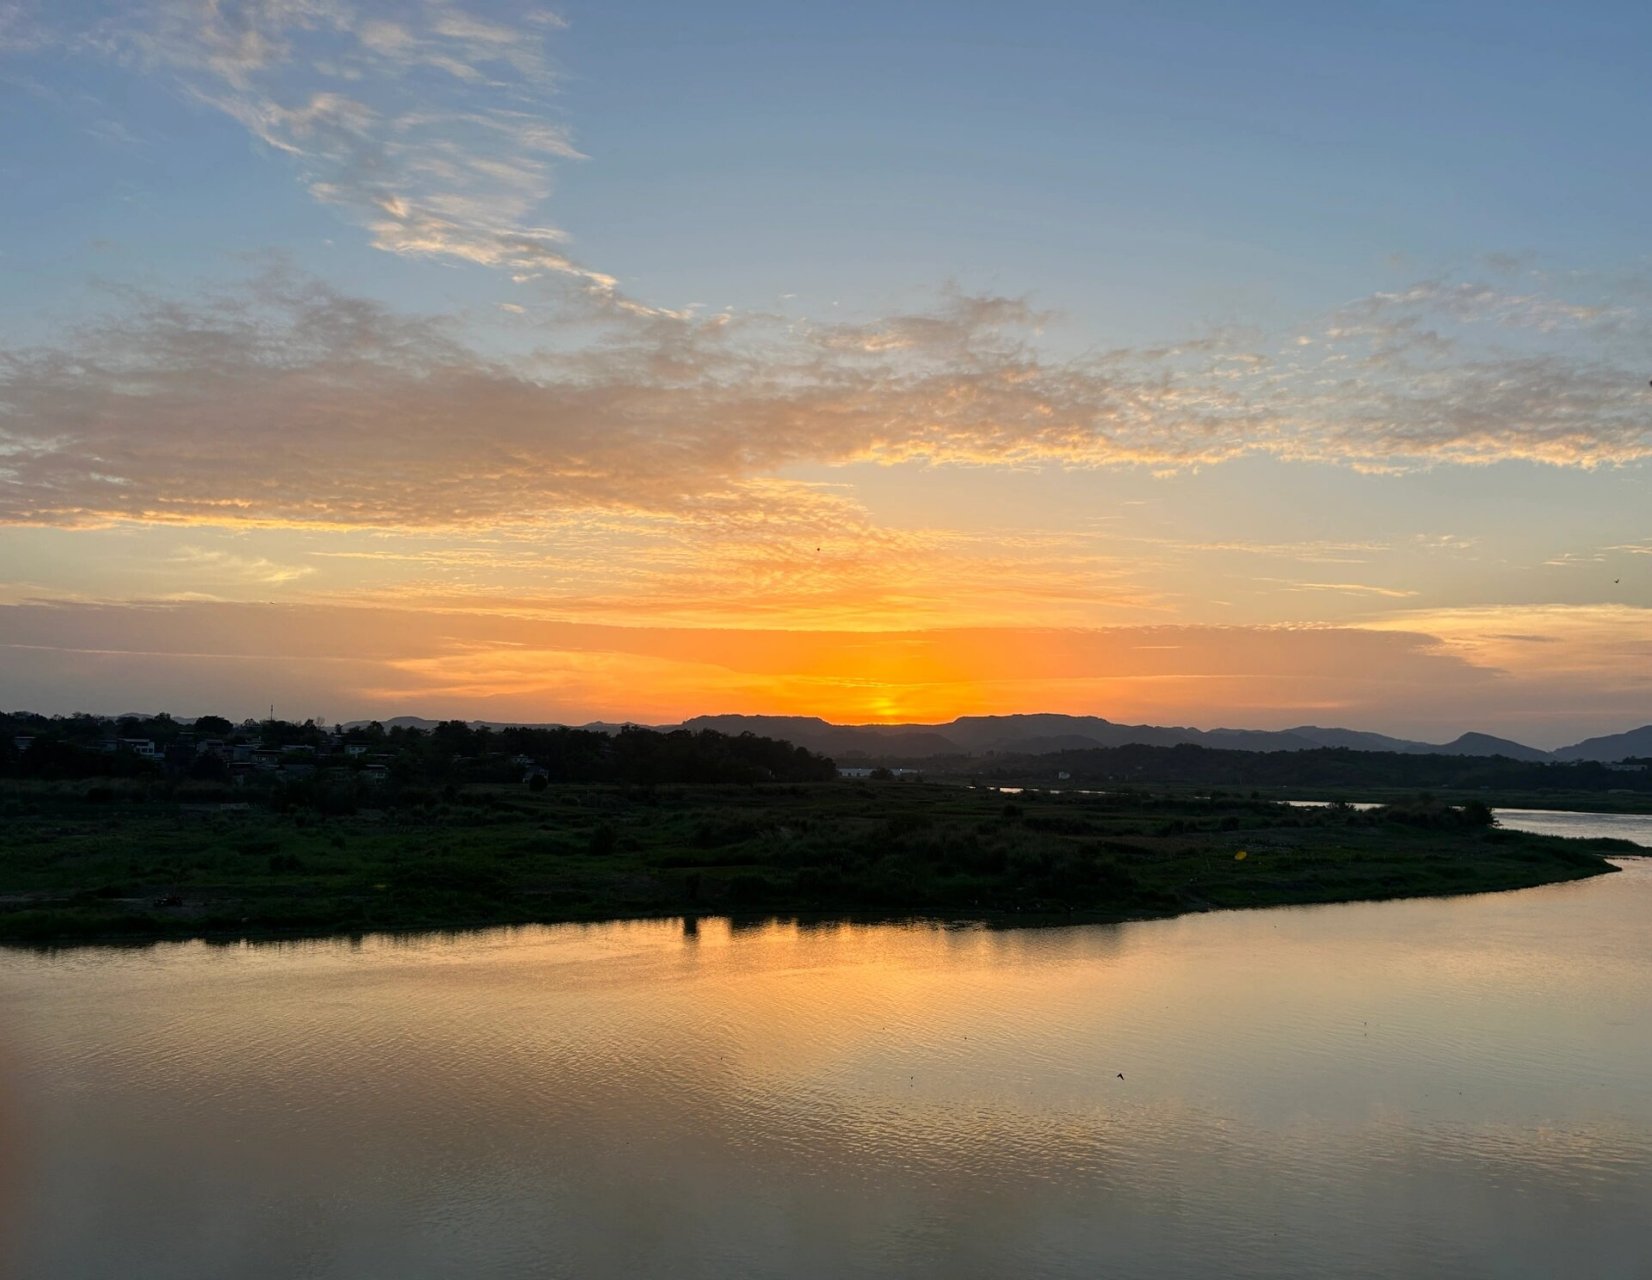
75	874
989	922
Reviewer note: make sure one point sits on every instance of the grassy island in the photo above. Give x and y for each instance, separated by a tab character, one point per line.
80	863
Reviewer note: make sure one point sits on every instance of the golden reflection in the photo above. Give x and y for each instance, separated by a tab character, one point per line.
1419	1059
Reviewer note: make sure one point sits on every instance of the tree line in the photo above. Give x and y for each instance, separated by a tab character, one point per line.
1327	768
452	752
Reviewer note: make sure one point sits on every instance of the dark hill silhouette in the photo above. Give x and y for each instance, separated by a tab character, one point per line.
1326	770
1612	747
1360	740
1483	744
1049	732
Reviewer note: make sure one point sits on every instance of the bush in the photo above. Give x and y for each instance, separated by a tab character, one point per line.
1476	813
450	875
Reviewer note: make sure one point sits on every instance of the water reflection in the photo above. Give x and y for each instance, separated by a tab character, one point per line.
1426	1087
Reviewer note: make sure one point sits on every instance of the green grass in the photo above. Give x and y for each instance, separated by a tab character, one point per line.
130	864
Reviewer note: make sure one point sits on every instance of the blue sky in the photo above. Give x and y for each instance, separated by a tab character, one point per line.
1143	167
1091	316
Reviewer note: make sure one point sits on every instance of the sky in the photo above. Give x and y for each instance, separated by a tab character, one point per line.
1175	363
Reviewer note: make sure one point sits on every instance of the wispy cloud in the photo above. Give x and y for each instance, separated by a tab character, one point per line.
1438	373
1342	588
1308	551
287	402
431	127
1589	649
435	129
1426	306
207	564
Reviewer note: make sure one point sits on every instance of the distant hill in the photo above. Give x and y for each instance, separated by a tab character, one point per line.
1611	748
1049	732
1358	740
1483	744
1256	740
1043	734
838	739
399	722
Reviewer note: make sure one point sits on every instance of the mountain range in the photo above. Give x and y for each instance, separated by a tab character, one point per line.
1042	733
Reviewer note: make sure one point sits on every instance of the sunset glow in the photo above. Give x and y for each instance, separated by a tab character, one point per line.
376	360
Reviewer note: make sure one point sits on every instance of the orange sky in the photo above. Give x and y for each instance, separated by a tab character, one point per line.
337	660
335	373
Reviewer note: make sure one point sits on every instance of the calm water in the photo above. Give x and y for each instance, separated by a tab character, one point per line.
1556	822
1449	1087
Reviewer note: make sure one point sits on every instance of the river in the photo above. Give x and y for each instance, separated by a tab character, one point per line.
1633	827
1443	1087
1636	827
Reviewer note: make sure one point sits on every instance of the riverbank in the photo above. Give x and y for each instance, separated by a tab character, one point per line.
84	864
1604	802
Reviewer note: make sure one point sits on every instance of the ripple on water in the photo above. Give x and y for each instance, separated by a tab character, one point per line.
1388	1089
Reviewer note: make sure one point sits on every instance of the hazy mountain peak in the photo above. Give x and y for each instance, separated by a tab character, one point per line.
1610	748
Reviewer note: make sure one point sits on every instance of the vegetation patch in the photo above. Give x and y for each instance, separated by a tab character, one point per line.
140	863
